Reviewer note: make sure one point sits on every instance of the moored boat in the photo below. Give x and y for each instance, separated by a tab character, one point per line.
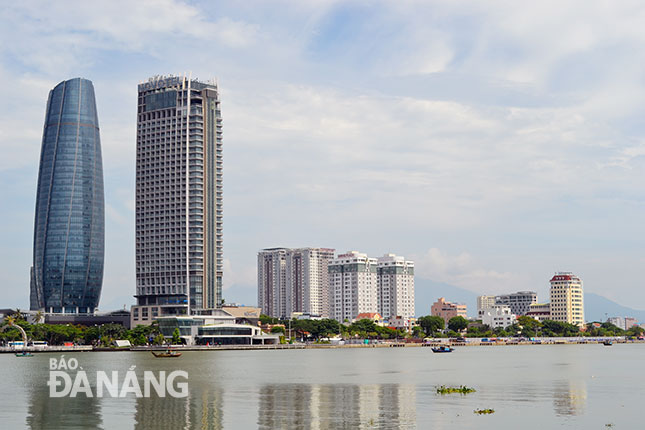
442	349
608	343
24	354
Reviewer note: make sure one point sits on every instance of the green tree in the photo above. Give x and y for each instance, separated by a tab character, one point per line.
458	323
635	331
265	319
176	337
417	332
277	329
431	324
363	326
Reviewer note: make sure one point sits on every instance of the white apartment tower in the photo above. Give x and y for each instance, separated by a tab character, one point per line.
178	196
567	299
483	303
353	281
294	280
395	287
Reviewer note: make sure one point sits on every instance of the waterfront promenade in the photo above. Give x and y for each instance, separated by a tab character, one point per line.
371	344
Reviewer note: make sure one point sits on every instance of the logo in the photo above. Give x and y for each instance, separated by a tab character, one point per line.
63	383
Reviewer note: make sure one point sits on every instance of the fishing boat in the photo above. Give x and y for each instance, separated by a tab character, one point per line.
166	354
608	343
442	349
24	354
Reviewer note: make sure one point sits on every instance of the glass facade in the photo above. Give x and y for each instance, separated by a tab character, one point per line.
69	227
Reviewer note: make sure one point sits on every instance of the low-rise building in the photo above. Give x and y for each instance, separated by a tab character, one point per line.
630	322
400	322
484	302
498	316
219	328
244	314
539	311
374	316
446	310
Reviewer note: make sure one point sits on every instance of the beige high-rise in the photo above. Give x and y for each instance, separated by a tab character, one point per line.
567	298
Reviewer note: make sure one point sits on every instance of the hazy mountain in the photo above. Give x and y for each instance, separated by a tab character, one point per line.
598	308
426	292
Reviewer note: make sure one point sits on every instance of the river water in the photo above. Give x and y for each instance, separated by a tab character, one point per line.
529	387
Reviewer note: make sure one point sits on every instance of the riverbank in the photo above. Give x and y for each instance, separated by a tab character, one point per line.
372	344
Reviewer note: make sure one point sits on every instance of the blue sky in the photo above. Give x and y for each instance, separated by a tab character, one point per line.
492	142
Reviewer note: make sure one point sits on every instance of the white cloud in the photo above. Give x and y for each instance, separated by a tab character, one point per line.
463	271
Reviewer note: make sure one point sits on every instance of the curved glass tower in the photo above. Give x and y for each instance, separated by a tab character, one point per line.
69	233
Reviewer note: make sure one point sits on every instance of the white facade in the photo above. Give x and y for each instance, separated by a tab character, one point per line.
567	298
294	280
353	282
307	280
395	287
519	302
484	302
498	316
617	321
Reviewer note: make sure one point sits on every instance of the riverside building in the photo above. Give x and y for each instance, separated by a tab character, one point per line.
395	285
483	303
498	316
69	226
567	299
178	197
353	281
447	310
294	280
519	302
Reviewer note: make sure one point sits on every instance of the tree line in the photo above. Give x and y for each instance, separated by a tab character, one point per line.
434	326
58	334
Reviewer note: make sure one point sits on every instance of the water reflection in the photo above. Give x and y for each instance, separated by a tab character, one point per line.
200	410
49	413
570	398
315	406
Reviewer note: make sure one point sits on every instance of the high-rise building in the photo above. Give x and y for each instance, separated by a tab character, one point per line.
272	282
567	299
518	302
69	227
483	303
178	197
395	287
294	280
353	282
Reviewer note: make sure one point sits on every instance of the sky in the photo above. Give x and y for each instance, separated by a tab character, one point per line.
493	143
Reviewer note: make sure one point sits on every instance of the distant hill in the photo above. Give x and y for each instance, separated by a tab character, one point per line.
427	292
598	308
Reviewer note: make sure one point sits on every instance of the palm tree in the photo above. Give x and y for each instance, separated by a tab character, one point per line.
11	322
40	317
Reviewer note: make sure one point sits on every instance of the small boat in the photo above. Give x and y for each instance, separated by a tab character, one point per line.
608	343
166	354
24	354
442	349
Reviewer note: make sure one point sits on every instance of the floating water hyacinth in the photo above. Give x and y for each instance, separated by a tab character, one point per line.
451	390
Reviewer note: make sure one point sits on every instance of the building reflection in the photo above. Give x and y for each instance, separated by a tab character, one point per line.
327	406
200	410
45	412
570	398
